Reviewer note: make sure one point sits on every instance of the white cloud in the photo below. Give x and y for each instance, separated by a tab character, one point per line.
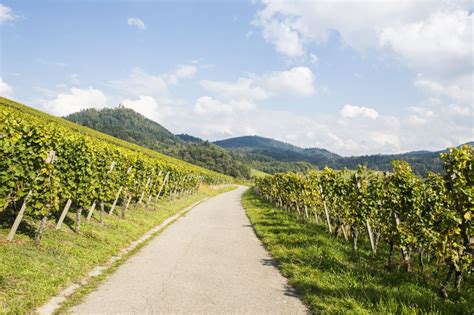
283	36
297	81
74	100
141	83
385	140
6	14
5	89
182	72
351	111
442	40
136	22
314	59
431	37
422	111
186	71
358	23
206	105
245	88
466	111
237	100
458	88
145	105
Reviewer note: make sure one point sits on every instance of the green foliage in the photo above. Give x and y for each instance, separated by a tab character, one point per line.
460	183
81	167
432	216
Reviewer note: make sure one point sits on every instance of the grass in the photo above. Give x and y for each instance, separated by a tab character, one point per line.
30	275
332	279
254	173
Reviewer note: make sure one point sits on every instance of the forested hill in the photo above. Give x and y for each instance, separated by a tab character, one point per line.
131	126
272	156
277	150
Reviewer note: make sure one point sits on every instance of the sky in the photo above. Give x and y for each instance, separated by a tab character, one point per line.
353	77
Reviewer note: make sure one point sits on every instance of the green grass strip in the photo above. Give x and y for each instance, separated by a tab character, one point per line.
331	279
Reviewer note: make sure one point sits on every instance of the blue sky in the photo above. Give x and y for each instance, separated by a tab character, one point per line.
352	77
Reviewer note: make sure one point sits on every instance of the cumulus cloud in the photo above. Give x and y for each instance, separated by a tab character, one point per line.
186	71
136	22
298	81
458	88
283	36
141	83
351	111
145	105
6	14
242	88
5	89
206	105
441	43
182	72
359	25
431	37
240	97
75	99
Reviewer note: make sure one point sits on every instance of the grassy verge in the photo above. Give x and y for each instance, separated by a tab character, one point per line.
30	275
256	173
332	279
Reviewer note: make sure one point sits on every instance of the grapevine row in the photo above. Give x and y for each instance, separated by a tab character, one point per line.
46	167
431	216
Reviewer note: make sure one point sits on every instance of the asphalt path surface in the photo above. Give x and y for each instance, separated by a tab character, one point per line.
208	262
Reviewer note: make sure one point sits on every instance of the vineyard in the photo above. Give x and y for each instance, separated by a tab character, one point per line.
409	216
49	166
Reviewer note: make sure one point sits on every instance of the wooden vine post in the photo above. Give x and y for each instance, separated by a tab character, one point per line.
305	207
369	229
19	217
77	228
101	202
144	191
151	189
184	183
118	193
325	208
162	186
63	214
91	210
125	206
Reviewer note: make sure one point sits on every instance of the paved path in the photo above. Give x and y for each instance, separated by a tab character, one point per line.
208	262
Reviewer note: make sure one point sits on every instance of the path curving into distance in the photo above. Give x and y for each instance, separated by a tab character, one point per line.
208	262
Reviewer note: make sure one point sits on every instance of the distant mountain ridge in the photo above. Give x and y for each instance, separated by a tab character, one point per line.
268	155
277	149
